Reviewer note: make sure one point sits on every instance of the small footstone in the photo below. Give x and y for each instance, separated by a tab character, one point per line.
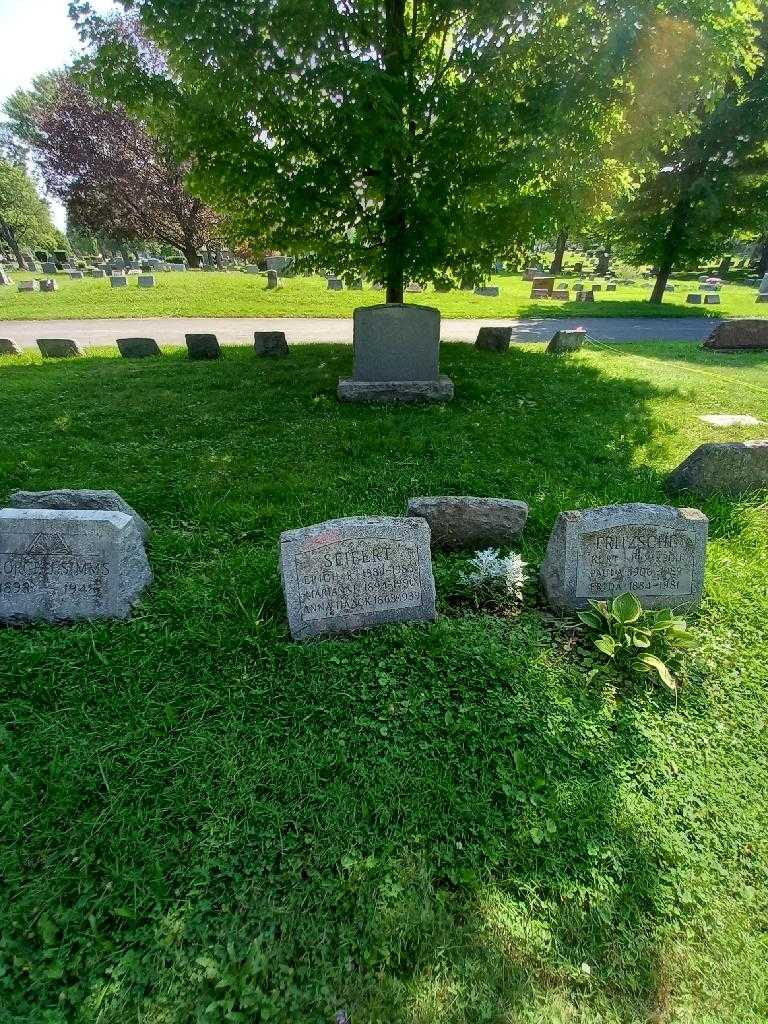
693	298
494	339
9	348
489	292
567	341
57	348
467	522
67	565
138	348
202	346
118	281
733	335
540	293
146	281
48	285
345	575
726	420
654	551
272	279
732	468
270	343
82	499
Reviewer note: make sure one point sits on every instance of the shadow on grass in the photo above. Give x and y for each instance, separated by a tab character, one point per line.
429	825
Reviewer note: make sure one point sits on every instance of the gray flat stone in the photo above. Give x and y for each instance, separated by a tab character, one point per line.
335	284
138	348
654	551
81	500
567	341
458	522
730	420
9	348
739	335
118	281
270	343
345	575
488	292
731	467
68	565
494	339
440	390
146	281
57	348
202	346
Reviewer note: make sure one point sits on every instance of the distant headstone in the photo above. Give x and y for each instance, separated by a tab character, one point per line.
48	284
29	286
76	275
9	348
63	565
82	500
270	343
138	348
356	285
178	267
4	278
540	293
654	551
48	267
272	279
567	341
585	296
118	281
762	297
57	348
97	272
547	283
350	574
494	339
730	420
202	346
731	467
414	288
597	287
693	298
395	356
468	522
335	284
562	294
711	300
278	263
578	268
739	335
488	291
610	287
146	280
252	268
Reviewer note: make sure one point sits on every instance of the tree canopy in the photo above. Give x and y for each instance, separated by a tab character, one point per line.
25	220
398	138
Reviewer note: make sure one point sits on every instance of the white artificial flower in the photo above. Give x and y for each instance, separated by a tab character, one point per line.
490	567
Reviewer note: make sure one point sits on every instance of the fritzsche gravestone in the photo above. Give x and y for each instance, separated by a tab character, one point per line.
350	574
63	565
654	551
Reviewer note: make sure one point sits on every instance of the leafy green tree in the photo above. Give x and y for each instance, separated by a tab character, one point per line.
25	219
395	138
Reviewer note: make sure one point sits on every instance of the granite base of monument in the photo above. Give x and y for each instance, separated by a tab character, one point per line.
440	390
653	551
345	575
61	565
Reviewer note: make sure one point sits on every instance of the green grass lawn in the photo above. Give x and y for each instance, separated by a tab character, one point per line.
450	824
238	294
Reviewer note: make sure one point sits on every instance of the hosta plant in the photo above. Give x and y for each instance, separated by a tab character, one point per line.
637	640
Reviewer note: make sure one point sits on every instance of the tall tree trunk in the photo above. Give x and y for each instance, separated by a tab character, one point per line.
665	269
190	255
557	262
395	186
8	235
672	240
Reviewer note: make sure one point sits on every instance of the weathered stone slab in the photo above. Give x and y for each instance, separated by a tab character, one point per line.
711	300
396	342
562	294
65	565
76	275
202	346
82	499
335	284
567	341
146	281
270	343
9	348
585	296
413	287
138	348
57	348
693	298
730	467
654	551
488	291
494	339
118	281
540	293
350	574
610	287
736	335
467	522
48	284
440	390
272	279
29	286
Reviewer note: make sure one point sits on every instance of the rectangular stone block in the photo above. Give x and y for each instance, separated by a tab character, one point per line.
540	293
396	342
29	286
711	300
734	468
76	275
202	346
335	284
655	552
138	348
547	283
270	343
118	281
494	339
457	522
57	348
440	390
64	565
562	294
567	341
146	281
488	292
693	298
346	575
48	285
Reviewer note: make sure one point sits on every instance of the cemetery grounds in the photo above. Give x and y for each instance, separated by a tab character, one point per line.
212	293
465	822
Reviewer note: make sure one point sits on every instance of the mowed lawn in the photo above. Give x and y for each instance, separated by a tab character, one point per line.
195	294
461	823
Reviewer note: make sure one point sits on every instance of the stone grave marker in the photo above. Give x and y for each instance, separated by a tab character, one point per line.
654	551
118	281
83	499
762	297
48	284
693	298
610	287
395	356
58	348
739	335
76	275
567	341
138	348
494	339
48	267
270	343
465	522
597	287
272	279
202	346
97	272
730	467
4	278
63	565
178	267
350	574
489	291
335	284
29	286
146	280
547	283
562	294
9	348
540	293
585	296
711	300
414	288
718	419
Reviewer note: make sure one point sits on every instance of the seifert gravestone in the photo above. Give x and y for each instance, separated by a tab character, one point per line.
350	574
654	551
62	565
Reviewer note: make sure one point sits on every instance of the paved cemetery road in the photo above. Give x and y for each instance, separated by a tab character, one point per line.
171	331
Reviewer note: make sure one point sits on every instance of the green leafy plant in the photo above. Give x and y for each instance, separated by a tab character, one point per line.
638	640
